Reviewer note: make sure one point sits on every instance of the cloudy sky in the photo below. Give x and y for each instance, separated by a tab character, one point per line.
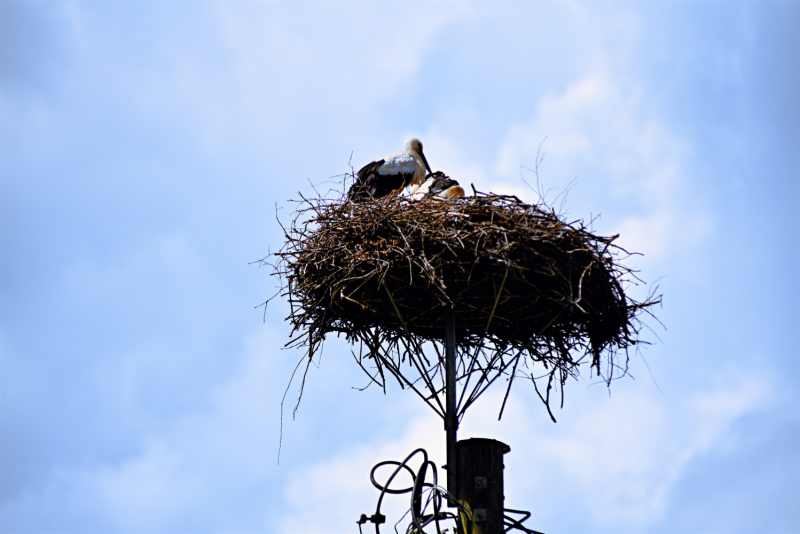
147	145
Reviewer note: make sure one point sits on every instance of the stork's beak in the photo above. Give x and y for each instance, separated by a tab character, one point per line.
425	161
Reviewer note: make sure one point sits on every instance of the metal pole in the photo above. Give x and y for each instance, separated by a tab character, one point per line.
450	418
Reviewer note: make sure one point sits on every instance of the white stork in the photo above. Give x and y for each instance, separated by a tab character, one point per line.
391	174
437	186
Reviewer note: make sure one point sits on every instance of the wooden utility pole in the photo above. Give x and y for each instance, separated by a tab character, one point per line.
480	484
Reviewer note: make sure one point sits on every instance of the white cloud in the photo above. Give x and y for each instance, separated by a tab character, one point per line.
331	495
618	458
273	74
615	461
451	158
277	87
457	163
627	164
601	131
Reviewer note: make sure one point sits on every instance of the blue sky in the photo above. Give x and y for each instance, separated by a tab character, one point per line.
146	145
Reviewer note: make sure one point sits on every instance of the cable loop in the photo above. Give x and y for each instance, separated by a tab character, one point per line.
386	488
426	501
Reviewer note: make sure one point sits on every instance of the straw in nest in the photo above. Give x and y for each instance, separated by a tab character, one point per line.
528	290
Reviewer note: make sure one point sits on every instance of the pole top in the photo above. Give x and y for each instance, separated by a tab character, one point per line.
485	442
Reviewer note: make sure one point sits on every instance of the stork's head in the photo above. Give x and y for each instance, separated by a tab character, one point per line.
415	145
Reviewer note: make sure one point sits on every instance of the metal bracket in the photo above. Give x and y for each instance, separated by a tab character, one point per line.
377	518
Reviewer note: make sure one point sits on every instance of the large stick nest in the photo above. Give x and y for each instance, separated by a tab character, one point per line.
523	284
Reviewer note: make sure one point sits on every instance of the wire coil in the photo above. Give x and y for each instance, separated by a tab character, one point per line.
426	502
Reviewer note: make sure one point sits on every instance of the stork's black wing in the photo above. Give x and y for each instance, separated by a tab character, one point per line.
369	170
360	190
380	185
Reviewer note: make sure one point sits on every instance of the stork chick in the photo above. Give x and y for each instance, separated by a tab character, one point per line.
437	186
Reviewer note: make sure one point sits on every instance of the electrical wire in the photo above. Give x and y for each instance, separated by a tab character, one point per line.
426	501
